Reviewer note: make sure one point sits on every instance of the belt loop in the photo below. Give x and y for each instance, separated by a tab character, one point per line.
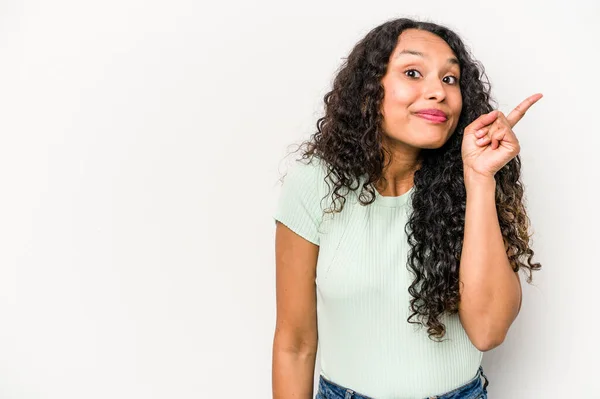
349	394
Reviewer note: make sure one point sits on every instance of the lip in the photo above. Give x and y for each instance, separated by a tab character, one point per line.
433	115
432	118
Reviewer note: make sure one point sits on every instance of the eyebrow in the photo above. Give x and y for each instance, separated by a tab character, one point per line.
451	60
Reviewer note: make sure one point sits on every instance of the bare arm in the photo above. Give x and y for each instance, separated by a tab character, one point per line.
295	340
490	289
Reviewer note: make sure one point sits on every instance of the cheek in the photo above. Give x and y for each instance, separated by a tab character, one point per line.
458	102
457	110
403	93
397	99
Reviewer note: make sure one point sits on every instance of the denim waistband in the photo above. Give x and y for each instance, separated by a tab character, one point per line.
331	390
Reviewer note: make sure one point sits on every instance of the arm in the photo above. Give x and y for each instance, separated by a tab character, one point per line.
295	341
490	290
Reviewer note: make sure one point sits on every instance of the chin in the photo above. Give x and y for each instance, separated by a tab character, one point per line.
421	141
432	145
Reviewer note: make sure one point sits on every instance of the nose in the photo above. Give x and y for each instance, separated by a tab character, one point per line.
434	90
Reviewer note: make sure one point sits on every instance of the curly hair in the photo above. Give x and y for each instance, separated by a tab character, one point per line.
349	140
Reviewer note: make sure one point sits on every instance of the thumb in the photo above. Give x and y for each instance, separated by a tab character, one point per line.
481	122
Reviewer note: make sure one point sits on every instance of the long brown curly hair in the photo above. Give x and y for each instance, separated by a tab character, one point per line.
349	140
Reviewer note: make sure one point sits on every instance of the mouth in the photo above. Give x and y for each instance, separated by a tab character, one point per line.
432	118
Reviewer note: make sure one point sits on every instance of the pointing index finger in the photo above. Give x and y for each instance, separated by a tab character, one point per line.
519	112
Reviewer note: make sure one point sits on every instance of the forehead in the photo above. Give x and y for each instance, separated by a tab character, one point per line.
425	42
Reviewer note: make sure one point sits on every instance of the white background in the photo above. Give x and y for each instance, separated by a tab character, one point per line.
141	144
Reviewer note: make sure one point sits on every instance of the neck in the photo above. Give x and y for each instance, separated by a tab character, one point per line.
398	176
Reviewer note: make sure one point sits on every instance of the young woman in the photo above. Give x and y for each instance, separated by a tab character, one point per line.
401	231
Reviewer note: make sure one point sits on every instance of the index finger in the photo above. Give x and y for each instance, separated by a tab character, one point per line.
519	112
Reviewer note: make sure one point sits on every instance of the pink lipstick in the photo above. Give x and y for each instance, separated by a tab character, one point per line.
433	115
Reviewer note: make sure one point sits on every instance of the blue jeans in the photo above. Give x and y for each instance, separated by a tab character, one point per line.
473	389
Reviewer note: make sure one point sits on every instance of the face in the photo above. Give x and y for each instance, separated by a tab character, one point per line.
422	74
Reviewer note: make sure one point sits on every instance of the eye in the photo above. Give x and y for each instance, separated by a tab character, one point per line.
452	77
411	70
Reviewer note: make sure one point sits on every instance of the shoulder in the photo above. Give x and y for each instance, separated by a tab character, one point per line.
308	174
311	167
300	206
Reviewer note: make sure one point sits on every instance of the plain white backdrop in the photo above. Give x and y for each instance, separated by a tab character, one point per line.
141	144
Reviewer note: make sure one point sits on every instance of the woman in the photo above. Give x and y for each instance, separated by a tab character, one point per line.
408	214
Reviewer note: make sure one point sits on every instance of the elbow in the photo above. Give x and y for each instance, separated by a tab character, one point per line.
488	342
488	332
295	342
488	345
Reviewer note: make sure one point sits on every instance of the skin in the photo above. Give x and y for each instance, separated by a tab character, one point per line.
490	290
489	142
412	83
295	340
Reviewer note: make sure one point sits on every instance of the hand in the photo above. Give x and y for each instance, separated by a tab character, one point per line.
489	142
